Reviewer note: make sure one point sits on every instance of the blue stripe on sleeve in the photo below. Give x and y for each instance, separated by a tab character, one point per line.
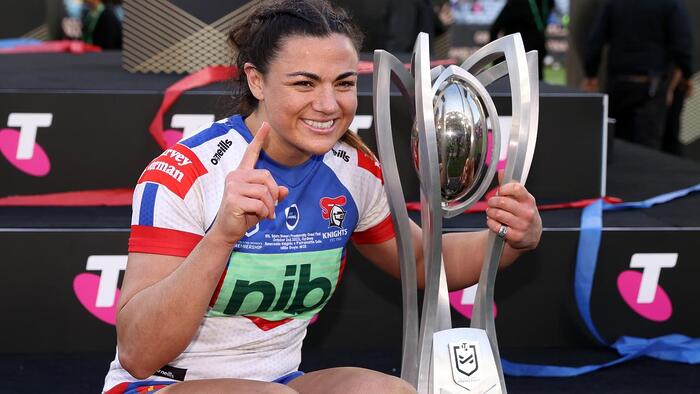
148	203
214	131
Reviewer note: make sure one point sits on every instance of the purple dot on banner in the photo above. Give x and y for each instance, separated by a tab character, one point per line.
660	309
85	287
465	309
38	165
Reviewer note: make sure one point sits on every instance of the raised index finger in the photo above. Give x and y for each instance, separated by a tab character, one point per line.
251	154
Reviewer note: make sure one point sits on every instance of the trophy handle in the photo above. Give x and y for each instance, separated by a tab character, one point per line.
521	87
388	68
500	70
435	296
525	99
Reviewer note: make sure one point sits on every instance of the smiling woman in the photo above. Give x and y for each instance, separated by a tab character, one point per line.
239	233
323	92
309	105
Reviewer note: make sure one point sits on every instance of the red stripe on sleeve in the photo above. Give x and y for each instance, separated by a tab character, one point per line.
383	231
156	240
369	164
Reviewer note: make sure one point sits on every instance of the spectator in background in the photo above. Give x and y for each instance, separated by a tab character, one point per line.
646	39
676	94
100	25
529	18
407	18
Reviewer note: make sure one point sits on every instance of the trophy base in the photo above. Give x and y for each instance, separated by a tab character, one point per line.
463	363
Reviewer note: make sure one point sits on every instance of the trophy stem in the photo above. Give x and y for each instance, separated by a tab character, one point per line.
436	312
482	316
386	66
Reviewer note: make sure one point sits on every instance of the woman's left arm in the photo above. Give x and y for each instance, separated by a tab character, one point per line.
513	207
464	253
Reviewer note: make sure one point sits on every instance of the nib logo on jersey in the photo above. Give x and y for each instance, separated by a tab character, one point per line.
332	210
641	290
20	147
99	293
278	287
289	301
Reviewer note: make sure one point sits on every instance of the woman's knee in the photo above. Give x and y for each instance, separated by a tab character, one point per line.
383	383
368	381
227	386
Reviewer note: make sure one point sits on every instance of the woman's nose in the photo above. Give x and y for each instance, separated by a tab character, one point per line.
325	101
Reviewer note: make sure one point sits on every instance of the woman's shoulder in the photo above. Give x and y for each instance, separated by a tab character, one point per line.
348	158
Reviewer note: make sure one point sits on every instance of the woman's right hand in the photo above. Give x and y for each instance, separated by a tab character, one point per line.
250	195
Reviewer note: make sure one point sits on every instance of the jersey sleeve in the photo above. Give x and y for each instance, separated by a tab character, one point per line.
167	215
375	224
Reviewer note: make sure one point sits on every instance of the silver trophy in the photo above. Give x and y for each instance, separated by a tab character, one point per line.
449	147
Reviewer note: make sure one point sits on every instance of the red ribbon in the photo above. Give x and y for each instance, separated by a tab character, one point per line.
86	198
480	206
202	77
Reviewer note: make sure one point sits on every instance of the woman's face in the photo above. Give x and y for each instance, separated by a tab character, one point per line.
308	96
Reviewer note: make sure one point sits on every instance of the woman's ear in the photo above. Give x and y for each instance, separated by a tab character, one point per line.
255	80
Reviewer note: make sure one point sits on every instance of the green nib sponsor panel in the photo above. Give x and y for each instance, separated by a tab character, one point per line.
278	286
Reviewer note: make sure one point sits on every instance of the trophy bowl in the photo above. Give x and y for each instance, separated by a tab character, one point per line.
462	139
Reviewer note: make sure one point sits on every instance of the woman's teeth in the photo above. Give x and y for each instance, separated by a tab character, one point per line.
319	125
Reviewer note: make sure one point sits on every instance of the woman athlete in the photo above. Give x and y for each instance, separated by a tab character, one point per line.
239	232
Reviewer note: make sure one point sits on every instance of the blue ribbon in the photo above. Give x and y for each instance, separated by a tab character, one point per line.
674	347
7	43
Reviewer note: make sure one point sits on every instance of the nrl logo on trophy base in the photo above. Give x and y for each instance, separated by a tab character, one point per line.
449	147
465	362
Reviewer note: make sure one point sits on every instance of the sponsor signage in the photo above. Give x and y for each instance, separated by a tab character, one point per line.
64	294
57	142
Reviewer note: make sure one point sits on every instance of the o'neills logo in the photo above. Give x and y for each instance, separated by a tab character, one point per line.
177	169
223	145
166	168
341	154
332	210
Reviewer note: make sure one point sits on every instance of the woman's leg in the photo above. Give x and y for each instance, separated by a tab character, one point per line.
349	380
209	386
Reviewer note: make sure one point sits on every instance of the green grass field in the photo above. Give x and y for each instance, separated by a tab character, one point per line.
555	76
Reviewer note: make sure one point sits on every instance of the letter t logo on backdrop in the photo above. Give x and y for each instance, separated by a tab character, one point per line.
189	123
99	293
641	290
19	146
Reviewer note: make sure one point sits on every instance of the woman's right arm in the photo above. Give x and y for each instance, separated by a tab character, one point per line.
164	298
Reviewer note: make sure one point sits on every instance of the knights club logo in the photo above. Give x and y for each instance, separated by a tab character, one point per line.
465	361
332	210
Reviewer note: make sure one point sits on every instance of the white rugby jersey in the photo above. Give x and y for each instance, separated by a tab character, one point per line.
281	273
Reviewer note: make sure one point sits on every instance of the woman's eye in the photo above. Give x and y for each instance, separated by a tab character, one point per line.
346	84
304	83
